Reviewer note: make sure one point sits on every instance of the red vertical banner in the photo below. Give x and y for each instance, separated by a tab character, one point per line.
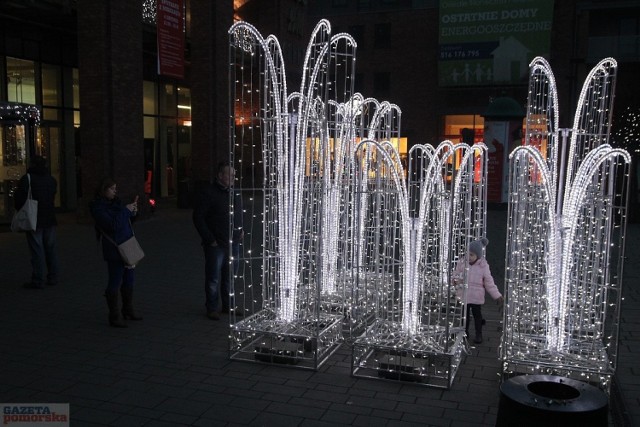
169	26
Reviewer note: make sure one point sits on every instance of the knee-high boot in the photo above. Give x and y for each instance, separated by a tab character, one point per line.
127	304
114	314
479	321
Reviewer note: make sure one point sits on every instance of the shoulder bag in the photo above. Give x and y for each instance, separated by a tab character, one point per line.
130	250
26	218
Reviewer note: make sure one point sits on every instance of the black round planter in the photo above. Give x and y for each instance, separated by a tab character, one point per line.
548	400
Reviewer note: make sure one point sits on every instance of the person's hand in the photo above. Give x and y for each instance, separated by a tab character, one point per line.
500	301
455	278
133	207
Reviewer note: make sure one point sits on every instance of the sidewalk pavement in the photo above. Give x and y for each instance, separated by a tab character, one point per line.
172	368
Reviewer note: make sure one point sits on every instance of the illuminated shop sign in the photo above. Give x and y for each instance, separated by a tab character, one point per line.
491	42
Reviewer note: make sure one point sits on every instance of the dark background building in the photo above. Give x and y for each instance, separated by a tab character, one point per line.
91	68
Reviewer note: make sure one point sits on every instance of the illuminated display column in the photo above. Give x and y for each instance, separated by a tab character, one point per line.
412	228
379	121
565	238
289	152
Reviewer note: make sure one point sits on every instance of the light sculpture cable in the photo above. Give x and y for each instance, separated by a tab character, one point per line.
412	227
568	192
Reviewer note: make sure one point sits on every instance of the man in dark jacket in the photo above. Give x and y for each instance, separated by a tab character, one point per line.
212	219
42	241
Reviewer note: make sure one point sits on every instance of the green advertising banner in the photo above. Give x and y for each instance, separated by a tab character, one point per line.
491	42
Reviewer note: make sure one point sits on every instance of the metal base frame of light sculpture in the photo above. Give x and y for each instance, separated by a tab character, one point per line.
411	232
565	237
289	153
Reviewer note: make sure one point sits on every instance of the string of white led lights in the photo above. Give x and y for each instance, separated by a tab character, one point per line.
561	232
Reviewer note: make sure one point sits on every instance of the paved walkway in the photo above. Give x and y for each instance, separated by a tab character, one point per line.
173	367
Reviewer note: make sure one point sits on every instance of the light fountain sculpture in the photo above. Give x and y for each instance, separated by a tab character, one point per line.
289	153
411	233
358	118
565	238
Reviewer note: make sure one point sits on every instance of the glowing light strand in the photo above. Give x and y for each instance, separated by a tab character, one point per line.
300	141
562	234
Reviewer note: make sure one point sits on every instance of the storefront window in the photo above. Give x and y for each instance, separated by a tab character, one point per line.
21	86
167	138
52	114
184	102
51	86
48	145
167	157
464	127
150	125
184	135
149	100
76	97
167	100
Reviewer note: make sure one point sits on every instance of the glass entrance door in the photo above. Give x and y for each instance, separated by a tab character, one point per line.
48	146
13	164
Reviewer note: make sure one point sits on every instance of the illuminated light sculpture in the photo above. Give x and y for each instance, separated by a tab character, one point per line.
565	238
411	232
360	118
290	152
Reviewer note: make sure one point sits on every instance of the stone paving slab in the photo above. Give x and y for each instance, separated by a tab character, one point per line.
173	367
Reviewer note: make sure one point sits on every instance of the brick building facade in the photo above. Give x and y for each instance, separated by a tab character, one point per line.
93	55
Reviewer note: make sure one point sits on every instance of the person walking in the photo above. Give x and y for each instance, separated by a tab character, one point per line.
41	241
113	226
211	217
479	280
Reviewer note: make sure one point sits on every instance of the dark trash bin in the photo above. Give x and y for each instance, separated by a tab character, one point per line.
548	400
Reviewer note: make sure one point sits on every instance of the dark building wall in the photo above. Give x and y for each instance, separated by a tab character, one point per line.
110	69
407	60
288	21
110	59
22	38
210	22
411	59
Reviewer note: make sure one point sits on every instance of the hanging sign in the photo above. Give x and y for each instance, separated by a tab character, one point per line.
170	24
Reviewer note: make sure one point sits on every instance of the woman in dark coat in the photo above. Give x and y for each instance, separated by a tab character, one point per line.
42	241
113	220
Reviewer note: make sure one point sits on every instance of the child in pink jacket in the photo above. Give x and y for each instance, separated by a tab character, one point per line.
479	279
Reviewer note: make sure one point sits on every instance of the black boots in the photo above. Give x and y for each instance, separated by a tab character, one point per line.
127	308
478	322
114	314
127	304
